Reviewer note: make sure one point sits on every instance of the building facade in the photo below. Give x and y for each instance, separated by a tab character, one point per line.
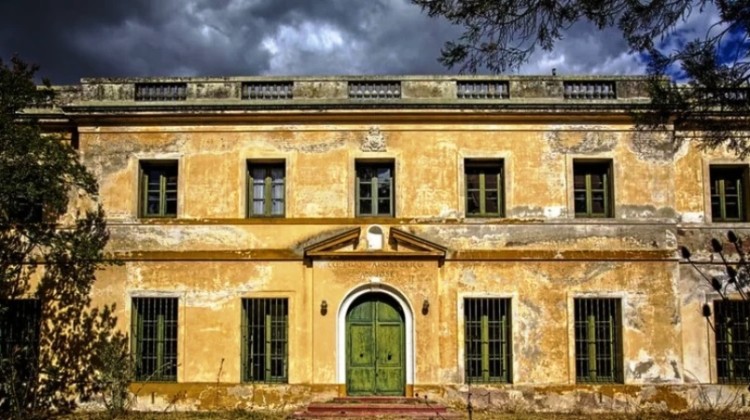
512	240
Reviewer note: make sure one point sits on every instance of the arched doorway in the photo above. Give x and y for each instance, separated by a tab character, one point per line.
375	346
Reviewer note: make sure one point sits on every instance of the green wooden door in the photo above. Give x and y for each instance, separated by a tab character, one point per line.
375	347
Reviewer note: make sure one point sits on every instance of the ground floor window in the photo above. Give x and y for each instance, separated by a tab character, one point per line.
265	340
154	338
598	340
732	341
487	340
19	341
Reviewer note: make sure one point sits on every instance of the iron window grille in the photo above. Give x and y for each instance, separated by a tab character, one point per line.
158	189
374	188
484	188
487	336
728	184
148	92
482	90
265	340
732	341
589	90
267	90
20	322
592	189
375	90
265	189
154	338
598	340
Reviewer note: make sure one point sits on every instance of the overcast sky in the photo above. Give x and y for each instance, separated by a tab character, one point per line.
71	39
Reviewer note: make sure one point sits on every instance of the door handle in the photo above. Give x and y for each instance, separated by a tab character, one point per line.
361	355
390	356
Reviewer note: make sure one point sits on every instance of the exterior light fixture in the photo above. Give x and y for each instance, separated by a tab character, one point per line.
323	307
425	307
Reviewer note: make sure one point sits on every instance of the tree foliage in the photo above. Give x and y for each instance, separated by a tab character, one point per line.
713	70
52	239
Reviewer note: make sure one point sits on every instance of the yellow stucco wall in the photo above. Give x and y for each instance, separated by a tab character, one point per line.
539	255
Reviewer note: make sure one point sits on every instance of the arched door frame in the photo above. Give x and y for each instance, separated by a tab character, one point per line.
341	327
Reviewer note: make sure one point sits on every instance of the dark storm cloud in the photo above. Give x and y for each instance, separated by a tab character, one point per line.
87	38
90	38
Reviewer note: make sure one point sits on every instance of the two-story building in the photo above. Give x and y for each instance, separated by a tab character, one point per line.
514	238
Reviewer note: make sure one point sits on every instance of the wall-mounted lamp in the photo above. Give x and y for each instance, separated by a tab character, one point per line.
425	307
323	307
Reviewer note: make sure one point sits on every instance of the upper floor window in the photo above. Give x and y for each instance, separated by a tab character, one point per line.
265	332
598	340
592	188
487	340
374	187
732	341
154	335
484	187
728	185
158	189
265	192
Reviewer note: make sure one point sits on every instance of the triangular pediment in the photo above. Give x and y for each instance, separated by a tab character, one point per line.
399	244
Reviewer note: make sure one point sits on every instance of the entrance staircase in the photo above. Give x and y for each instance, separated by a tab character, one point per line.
376	407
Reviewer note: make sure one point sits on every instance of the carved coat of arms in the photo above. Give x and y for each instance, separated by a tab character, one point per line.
374	141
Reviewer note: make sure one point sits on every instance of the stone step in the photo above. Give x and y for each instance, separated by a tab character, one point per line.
375	407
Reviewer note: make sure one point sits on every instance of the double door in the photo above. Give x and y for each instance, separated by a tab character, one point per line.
375	346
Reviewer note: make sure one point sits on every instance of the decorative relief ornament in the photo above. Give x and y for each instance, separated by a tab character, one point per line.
374	141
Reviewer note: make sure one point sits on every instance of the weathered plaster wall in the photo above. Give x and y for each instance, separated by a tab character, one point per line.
540	255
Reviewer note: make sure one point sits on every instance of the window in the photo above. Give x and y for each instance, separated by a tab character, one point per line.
375	188
159	189
23	210
592	189
19	341
484	188
598	340
732	341
728	185
154	335
487	340
265	193
265	340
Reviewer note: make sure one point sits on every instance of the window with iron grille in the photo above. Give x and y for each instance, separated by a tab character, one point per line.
19	341
487	333
267	90
484	187
592	189
732	340
265	193
482	90
374	188
23	210
160	92
375	90
728	185
265	343
158	189
154	338
598	340
589	89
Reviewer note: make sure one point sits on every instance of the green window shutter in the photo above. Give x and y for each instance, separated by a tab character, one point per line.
598	337
265	340
487	334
